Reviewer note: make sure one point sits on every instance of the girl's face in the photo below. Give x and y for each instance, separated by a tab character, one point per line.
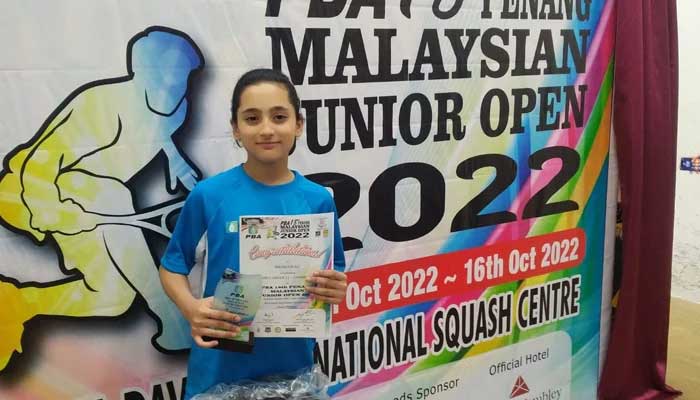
266	123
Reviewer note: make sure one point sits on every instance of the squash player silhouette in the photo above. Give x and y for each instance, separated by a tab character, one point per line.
67	186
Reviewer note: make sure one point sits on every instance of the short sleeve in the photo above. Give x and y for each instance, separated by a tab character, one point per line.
189	230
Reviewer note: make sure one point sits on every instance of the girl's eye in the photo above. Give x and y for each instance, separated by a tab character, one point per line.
280	117
251	118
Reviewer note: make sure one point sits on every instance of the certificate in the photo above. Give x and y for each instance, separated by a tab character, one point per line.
285	250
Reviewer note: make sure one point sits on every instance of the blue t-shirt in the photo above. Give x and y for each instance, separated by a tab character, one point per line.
204	234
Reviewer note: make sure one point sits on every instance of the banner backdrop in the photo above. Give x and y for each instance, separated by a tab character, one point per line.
465	143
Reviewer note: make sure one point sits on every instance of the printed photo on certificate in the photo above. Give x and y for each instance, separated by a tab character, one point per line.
285	250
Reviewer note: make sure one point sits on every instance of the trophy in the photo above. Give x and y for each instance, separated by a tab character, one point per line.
239	294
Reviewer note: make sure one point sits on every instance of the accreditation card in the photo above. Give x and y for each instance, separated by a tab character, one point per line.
285	250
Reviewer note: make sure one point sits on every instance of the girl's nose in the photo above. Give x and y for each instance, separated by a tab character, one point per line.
267	127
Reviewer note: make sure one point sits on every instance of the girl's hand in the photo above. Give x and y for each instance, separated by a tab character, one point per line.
330	287
205	320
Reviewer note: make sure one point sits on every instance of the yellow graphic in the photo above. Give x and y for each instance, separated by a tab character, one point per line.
67	186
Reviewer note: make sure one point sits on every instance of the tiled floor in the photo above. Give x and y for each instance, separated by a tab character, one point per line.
684	348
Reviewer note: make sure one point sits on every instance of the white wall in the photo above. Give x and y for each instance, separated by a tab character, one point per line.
686	249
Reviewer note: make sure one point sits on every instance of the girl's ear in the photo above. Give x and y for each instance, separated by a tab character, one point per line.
300	126
234	129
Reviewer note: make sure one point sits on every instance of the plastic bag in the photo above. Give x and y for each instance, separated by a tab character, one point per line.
306	384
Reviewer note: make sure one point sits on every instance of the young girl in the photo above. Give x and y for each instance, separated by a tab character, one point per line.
266	122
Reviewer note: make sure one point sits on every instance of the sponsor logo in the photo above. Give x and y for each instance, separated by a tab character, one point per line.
519	388
691	164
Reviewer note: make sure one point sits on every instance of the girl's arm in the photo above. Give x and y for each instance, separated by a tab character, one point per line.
203	318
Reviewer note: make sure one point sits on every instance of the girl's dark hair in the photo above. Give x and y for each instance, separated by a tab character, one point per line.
260	75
